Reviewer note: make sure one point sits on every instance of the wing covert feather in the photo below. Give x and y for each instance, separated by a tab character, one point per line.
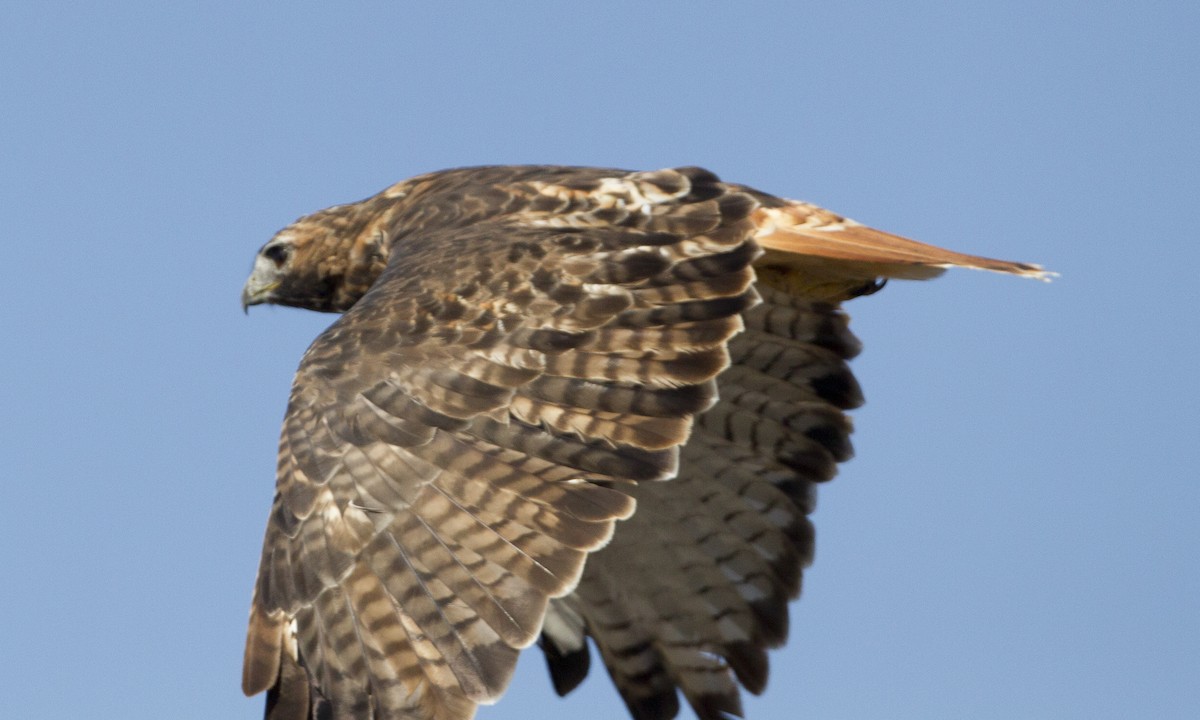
440	455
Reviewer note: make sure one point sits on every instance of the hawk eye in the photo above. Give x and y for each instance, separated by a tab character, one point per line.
277	254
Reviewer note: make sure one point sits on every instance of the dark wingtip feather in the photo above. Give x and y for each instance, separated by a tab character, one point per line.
717	706
834	439
567	669
840	388
749	662
660	706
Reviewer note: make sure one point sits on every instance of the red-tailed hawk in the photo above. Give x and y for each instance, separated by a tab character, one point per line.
528	355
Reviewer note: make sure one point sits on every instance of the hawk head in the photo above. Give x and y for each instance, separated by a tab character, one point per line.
325	261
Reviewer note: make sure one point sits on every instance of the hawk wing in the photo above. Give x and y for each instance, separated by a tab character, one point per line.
694	587
452	443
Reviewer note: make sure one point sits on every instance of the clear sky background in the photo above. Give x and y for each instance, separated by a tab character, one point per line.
1017	537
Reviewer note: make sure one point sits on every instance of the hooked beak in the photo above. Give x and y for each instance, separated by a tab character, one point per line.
258	287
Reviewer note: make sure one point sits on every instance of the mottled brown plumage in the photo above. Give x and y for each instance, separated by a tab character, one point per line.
525	352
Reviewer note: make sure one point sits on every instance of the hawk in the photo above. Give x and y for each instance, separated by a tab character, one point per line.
560	403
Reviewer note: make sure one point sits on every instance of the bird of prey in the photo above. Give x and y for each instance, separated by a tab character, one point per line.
560	403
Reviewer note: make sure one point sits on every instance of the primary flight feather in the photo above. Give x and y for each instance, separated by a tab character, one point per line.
472	455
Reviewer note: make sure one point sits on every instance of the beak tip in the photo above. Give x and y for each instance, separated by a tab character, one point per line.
256	293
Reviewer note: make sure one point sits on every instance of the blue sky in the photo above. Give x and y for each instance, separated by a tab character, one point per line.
1017	537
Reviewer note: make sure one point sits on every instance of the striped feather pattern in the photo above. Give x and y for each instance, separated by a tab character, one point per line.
525	353
694	587
440	456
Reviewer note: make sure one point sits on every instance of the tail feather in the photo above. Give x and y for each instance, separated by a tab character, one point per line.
814	241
